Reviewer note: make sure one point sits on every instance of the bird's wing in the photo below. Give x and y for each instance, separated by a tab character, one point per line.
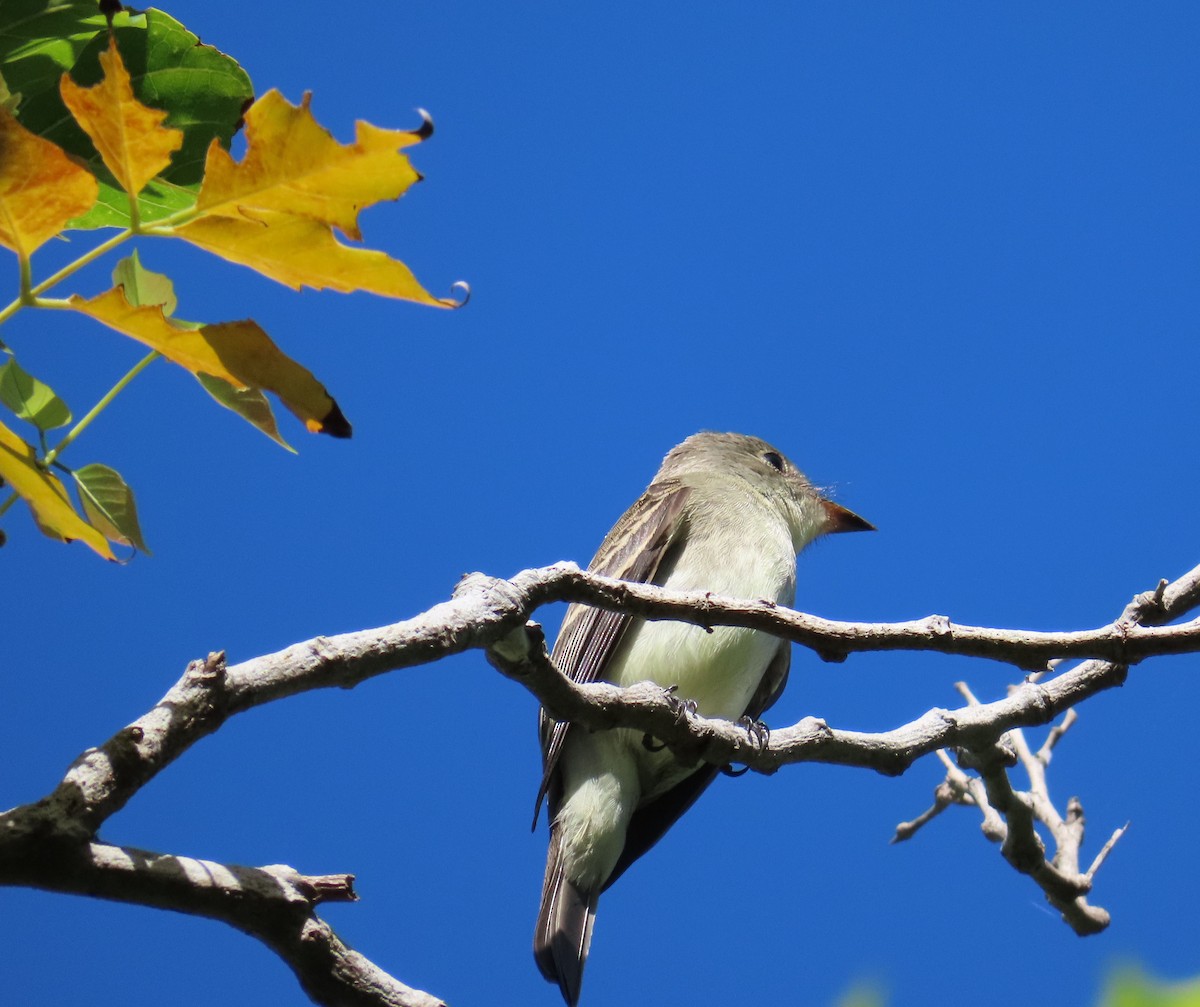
589	637
650	821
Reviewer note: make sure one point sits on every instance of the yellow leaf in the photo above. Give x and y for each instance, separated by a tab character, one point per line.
258	363
299	251
129	136
45	494
40	188
293	165
240	353
275	210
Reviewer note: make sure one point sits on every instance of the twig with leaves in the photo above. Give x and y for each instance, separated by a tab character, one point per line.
107	155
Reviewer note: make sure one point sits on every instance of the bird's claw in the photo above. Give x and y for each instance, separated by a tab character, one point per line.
760	737
760	734
682	708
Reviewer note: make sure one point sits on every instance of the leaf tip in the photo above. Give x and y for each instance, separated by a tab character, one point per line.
333	423
460	293
103	549
425	130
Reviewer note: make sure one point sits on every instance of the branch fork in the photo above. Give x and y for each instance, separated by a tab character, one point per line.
52	843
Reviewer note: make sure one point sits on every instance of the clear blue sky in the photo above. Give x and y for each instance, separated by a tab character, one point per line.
944	255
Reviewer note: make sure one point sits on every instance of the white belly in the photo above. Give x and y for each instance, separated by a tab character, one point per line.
719	670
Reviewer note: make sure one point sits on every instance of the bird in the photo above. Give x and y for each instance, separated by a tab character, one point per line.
726	514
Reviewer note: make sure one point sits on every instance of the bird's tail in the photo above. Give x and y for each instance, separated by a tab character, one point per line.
564	925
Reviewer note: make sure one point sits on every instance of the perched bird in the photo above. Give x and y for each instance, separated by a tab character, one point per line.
726	514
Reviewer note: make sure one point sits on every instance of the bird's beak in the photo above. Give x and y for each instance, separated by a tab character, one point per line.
838	518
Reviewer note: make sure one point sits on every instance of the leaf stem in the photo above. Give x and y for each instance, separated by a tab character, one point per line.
83	260
25	294
26	272
7	504
29	292
100	406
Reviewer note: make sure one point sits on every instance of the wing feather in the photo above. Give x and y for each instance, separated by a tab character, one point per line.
634	550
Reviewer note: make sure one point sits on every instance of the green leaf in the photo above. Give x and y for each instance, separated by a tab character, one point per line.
863	994
144	286
30	399
1130	987
249	403
109	505
202	90
8	100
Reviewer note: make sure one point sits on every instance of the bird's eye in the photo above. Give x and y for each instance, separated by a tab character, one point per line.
774	459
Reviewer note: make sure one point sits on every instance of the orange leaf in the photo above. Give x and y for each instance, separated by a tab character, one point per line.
293	165
40	188
128	135
240	353
45	494
299	251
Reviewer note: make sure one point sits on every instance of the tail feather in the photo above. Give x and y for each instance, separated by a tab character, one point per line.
564	926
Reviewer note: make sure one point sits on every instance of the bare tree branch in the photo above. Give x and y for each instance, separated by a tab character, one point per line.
51	843
275	904
1126	641
485	611
1009	817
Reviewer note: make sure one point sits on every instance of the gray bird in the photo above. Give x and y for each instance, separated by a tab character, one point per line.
727	514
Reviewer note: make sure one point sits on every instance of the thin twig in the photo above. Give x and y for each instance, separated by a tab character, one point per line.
1105	850
1046	752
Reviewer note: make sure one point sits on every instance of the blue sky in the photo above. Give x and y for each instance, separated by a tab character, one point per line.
942	255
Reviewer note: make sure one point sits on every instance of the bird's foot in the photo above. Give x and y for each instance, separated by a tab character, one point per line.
682	708
760	734
760	737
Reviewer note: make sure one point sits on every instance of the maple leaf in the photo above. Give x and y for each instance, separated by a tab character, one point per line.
293	165
202	90
40	188
129	136
275	211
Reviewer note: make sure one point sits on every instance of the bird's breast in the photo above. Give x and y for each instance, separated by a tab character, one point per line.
721	669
